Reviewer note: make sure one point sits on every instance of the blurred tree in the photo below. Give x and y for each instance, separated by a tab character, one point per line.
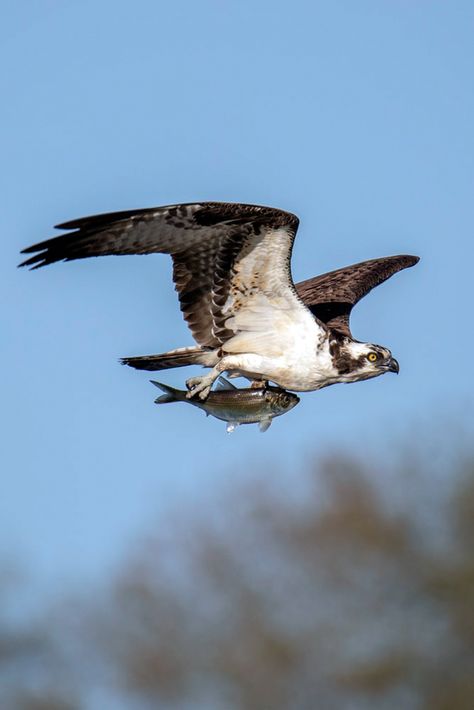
337	600
352	587
33	672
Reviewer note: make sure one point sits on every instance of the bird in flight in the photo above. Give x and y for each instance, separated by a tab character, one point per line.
231	269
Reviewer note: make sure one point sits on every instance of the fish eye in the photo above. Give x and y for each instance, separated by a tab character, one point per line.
372	357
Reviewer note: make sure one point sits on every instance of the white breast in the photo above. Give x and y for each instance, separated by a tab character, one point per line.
301	362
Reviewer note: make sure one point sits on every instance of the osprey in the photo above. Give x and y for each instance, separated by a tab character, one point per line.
231	269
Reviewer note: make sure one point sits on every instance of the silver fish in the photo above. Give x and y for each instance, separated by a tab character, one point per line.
236	406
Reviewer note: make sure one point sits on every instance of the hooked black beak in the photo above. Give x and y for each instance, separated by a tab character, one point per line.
393	365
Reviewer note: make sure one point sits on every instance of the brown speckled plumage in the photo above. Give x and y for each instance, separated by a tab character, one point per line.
331	297
204	240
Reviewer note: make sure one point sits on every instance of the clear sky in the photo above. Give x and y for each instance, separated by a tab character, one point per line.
357	116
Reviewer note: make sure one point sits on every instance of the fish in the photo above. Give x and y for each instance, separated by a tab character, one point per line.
236	406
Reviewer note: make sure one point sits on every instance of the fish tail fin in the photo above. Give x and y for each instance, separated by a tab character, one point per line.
170	393
173	358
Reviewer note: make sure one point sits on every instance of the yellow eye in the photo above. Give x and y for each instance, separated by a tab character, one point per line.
372	357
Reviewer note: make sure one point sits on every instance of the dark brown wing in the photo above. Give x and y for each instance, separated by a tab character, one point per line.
204	239
331	297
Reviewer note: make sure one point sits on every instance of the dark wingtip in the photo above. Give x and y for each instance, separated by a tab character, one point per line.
29	261
72	224
35	262
411	259
42	255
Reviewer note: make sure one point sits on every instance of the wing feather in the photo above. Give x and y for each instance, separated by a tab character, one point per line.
331	297
230	261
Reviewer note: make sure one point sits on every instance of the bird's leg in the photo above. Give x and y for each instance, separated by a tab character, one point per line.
201	386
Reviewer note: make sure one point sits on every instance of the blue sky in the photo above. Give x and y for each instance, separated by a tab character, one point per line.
357	116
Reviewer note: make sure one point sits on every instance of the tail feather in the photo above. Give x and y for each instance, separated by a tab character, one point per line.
173	358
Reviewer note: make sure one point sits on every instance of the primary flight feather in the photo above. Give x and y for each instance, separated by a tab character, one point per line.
231	269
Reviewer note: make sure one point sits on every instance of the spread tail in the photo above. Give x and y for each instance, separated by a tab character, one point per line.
173	358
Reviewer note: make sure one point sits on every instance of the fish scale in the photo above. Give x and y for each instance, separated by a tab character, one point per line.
236	406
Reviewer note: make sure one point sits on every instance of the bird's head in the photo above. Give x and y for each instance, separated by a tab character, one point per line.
360	361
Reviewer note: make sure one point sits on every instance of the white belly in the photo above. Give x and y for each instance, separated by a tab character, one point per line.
302	367
285	345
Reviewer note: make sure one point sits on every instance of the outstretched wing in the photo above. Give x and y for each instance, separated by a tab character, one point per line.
331	297
231	262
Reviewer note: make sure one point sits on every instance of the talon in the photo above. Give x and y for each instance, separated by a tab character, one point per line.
201	394
198	386
192	382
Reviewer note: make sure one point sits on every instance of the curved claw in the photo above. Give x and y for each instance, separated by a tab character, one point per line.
199	386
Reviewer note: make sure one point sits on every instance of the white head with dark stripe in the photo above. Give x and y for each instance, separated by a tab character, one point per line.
354	361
